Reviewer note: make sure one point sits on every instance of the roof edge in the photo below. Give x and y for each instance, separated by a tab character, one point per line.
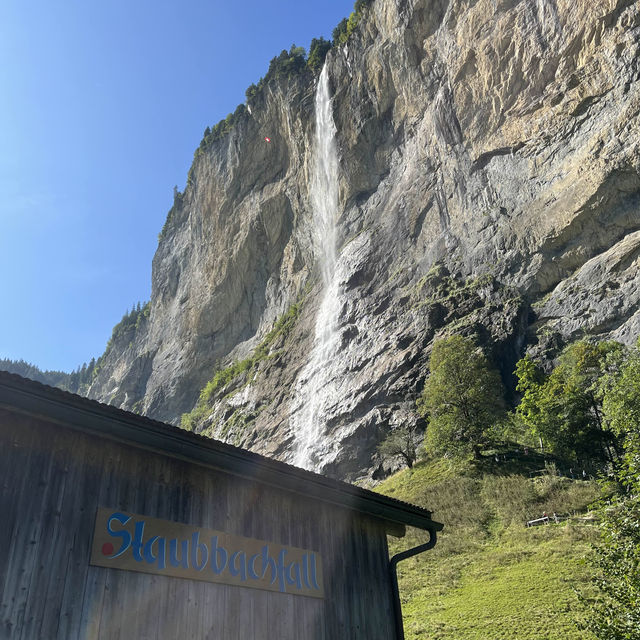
102	420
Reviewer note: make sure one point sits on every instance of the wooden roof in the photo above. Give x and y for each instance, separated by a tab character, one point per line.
77	412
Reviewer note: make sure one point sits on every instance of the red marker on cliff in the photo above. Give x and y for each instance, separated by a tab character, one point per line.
267	139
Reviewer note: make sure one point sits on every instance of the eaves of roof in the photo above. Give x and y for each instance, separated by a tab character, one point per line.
77	412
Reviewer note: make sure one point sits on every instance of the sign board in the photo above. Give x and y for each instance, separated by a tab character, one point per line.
138	543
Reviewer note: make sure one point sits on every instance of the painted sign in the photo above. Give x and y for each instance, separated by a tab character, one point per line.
139	543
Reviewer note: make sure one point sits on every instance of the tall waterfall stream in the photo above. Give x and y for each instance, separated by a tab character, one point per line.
314	389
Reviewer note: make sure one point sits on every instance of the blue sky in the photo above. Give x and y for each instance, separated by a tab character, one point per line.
102	105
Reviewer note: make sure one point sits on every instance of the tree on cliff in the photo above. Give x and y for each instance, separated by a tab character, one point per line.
462	398
339	34
318	50
401	443
564	409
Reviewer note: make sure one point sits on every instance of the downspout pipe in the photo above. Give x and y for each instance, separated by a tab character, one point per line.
393	569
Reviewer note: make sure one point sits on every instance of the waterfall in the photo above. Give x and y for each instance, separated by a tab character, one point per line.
314	389
324	182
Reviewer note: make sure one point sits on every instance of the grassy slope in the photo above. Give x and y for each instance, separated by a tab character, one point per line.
489	576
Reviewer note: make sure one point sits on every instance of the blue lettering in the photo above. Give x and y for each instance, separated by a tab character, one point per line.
147	551
125	535
196	548
218	556
136	545
242	569
305	571
300	574
252	566
281	571
313	572
184	554
162	553
293	574
267	562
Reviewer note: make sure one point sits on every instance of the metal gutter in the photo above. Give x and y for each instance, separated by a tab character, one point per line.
393	570
73	411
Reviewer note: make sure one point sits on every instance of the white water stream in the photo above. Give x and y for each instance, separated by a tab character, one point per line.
314	388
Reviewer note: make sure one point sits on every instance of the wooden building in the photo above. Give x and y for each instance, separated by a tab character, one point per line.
113	525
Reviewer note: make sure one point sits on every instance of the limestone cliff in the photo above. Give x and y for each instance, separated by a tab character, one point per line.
489	183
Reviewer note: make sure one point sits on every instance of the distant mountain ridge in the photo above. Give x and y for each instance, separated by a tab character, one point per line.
25	369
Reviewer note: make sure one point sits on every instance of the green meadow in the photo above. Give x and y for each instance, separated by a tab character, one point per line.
489	576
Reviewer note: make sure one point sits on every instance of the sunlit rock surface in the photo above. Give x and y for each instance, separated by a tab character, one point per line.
489	184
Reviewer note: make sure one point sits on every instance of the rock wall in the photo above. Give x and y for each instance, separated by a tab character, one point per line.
489	185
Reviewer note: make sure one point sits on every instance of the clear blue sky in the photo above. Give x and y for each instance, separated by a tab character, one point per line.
102	105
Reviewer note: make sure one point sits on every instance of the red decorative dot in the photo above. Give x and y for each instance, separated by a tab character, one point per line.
107	549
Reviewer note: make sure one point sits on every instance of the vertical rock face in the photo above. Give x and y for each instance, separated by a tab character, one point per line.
489	184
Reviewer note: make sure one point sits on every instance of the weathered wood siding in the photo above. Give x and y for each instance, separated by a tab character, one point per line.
54	479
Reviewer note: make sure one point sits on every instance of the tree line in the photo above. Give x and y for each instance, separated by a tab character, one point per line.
286	65
81	378
584	410
77	381
566	412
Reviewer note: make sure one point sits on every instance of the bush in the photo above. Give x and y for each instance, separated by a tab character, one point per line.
177	203
287	64
222	128
339	34
318	50
252	94
615	614
462	398
347	25
401	443
564	409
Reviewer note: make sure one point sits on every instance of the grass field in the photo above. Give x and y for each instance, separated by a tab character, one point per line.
489	577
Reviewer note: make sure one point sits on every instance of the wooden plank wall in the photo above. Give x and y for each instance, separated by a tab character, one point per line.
54	479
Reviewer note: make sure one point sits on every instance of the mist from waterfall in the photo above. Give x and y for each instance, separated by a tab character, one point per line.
314	388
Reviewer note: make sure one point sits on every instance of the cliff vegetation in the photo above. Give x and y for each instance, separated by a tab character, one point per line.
575	575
